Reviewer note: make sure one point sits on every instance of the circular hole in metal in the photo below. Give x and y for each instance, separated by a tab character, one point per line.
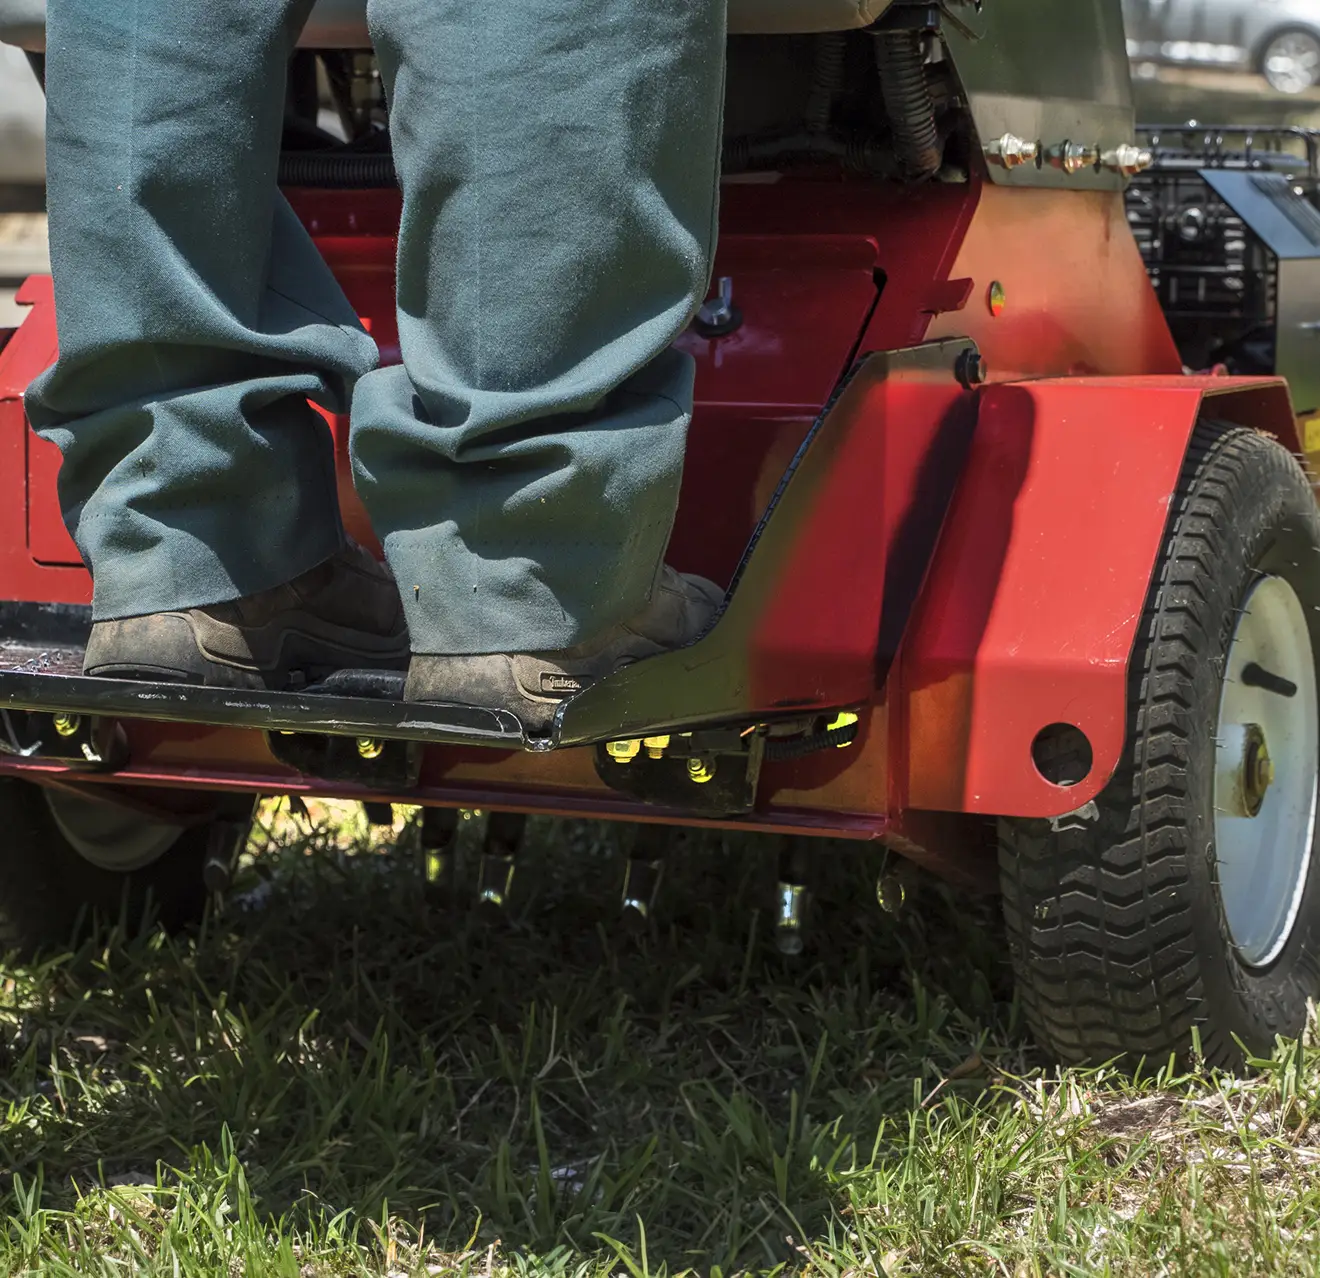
1062	754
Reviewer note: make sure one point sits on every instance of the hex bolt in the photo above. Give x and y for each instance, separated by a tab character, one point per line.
701	769
1012	151
1128	159
1074	157
656	747
370	748
623	751
67	725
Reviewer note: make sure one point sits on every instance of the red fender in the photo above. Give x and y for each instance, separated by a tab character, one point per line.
1031	607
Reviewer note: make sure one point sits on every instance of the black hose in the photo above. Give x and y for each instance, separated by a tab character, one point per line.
857	153
826	80
340	170
901	57
782	749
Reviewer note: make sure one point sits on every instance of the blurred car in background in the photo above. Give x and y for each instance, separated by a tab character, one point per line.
1279	39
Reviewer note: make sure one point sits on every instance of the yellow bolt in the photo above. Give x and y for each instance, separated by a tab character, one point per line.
623	751
370	748
701	770
656	747
845	720
997	299
67	725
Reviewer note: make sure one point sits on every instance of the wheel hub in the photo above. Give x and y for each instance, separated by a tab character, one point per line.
1267	757
1292	63
1257	769
1246	769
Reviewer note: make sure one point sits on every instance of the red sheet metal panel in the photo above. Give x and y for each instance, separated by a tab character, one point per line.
1040	579
1076	299
23	496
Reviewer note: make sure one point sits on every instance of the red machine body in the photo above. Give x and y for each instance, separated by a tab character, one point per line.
1043	494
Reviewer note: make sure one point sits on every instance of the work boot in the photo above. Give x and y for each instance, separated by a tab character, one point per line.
532	685
344	614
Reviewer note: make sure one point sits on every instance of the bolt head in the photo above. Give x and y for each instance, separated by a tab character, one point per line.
623	751
1257	769
701	770
67	725
972	370
1128	159
369	748
1012	151
996	298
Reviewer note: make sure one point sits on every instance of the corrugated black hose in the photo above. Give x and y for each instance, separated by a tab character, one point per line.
827	77
342	170
901	58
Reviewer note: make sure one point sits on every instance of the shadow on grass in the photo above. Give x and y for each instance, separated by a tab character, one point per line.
371	1048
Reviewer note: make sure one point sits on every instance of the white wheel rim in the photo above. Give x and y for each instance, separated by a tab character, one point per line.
1263	859
111	837
1292	63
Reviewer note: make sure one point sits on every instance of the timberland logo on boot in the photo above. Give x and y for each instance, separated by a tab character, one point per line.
560	685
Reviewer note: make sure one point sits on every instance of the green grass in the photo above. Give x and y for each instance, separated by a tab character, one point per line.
344	1074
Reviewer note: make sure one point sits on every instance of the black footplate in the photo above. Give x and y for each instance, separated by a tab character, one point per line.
355	727
47	677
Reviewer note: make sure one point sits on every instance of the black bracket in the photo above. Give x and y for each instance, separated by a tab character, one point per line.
710	773
922	15
76	740
904	16
391	767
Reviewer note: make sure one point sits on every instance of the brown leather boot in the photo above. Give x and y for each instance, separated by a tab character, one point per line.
532	685
345	614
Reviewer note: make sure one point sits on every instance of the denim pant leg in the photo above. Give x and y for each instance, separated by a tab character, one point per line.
559	160
195	316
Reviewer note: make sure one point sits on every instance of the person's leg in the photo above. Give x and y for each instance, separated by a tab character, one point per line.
559	160
195	320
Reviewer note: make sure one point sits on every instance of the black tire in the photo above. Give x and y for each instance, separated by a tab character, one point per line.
50	894
1116	923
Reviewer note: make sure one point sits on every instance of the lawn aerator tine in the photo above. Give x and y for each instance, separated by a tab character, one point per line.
499	860
438	838
793	899
641	880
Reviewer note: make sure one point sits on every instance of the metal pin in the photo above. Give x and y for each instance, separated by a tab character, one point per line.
504	836
641	880
793	898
